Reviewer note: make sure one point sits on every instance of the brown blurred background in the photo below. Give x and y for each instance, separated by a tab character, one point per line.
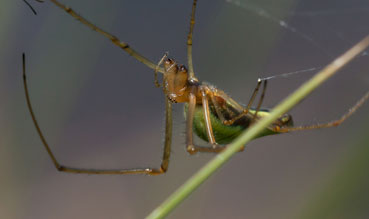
99	108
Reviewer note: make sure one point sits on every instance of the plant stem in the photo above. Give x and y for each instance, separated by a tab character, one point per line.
197	179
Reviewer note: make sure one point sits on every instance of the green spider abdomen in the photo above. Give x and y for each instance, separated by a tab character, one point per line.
224	134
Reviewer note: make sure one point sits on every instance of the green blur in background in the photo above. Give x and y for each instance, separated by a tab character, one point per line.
99	108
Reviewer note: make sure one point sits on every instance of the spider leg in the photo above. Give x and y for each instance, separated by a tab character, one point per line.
246	110
260	101
114	39
150	171
215	103
191	147
333	123
189	123
189	41
30	6
209	129
156	81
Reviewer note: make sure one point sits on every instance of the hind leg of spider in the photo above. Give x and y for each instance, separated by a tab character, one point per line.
150	171
260	101
333	123
247	109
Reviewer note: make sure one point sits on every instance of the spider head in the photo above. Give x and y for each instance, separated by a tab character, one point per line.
175	81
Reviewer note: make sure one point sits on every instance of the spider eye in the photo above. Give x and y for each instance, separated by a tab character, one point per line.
182	68
169	61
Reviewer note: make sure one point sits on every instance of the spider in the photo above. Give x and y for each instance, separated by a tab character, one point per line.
210	113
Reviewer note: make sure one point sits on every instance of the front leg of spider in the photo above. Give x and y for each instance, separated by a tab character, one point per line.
60	167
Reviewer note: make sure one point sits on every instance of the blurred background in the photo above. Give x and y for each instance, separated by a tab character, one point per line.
99	108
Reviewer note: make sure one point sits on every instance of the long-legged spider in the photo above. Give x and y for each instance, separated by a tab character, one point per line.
209	112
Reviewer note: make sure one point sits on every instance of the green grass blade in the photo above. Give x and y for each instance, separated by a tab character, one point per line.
206	171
